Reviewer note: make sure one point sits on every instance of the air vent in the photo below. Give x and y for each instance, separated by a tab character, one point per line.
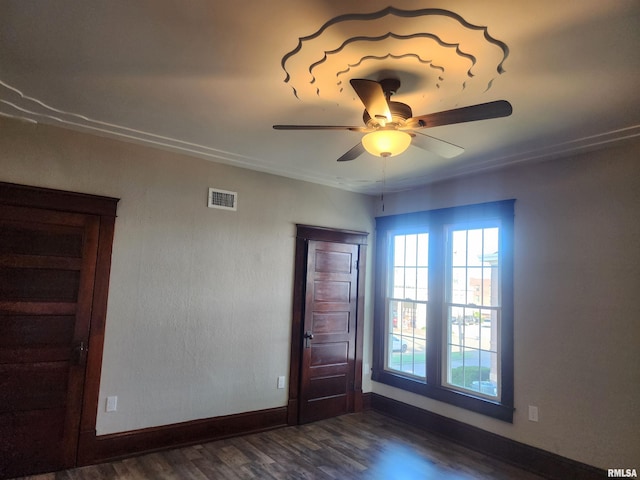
222	199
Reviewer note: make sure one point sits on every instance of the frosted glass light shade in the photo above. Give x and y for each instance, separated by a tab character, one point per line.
386	143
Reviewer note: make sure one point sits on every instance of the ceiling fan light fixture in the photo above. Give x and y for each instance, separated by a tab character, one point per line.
386	143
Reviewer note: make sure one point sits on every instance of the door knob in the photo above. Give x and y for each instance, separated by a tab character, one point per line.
308	336
79	354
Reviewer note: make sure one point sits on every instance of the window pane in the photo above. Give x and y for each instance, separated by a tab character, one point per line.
492	297
398	250
490	250
496	326
398	283
474	247
422	284
410	283
472	328
459	285
474	286
459	248
406	340
472	371
394	349
486	330
423	250
408	318
420	331
471	365
411	250
464	366
483	377
490	286
455	315
406	355
456	327
393	324
492	387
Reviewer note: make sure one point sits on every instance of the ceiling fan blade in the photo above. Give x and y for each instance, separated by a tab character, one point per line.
320	127
373	98
483	111
437	146
352	154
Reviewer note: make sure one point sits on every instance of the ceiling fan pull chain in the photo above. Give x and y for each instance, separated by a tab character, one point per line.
384	179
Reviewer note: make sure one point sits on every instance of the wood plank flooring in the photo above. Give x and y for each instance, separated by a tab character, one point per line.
365	445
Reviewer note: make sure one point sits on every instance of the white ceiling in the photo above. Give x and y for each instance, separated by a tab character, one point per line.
210	78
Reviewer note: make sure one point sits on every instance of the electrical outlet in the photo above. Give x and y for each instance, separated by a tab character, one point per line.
112	404
533	413
281	381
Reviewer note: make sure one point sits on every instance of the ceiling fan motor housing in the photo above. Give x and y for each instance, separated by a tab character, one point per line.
400	112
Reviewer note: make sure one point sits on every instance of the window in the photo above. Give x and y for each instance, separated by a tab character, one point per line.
473	310
444	306
407	304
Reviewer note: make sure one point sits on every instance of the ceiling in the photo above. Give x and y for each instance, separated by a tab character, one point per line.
209	79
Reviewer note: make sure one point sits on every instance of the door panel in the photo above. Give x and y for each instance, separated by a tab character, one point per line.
332	291
35	447
32	338
33	239
47	270
331	322
38	284
333	385
333	262
33	386
328	356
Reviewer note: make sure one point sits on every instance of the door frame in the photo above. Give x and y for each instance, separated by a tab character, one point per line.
304	233
104	208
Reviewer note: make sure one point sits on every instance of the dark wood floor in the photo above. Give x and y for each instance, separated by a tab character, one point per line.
358	446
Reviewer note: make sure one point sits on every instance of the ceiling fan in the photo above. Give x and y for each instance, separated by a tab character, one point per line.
391	127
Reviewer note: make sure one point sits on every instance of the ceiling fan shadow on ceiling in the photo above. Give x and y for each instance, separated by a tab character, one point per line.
391	128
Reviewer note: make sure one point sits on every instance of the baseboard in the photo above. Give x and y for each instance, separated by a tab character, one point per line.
366	401
94	449
541	462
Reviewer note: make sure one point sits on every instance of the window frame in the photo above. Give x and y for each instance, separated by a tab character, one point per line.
436	223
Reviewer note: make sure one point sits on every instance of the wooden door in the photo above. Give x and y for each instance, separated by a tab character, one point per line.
328	357
47	274
326	354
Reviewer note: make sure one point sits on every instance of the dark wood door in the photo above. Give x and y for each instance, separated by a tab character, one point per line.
47	274
329	327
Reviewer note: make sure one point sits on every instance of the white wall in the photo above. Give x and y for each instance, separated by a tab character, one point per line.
200	300
577	301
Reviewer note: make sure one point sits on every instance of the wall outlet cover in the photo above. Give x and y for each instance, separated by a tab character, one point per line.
112	404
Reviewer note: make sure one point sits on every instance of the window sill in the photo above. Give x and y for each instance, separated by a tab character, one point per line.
459	399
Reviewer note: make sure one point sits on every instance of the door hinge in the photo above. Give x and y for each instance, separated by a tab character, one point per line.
355	264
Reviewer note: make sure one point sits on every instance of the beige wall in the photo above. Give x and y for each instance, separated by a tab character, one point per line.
199	312
577	301
200	300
